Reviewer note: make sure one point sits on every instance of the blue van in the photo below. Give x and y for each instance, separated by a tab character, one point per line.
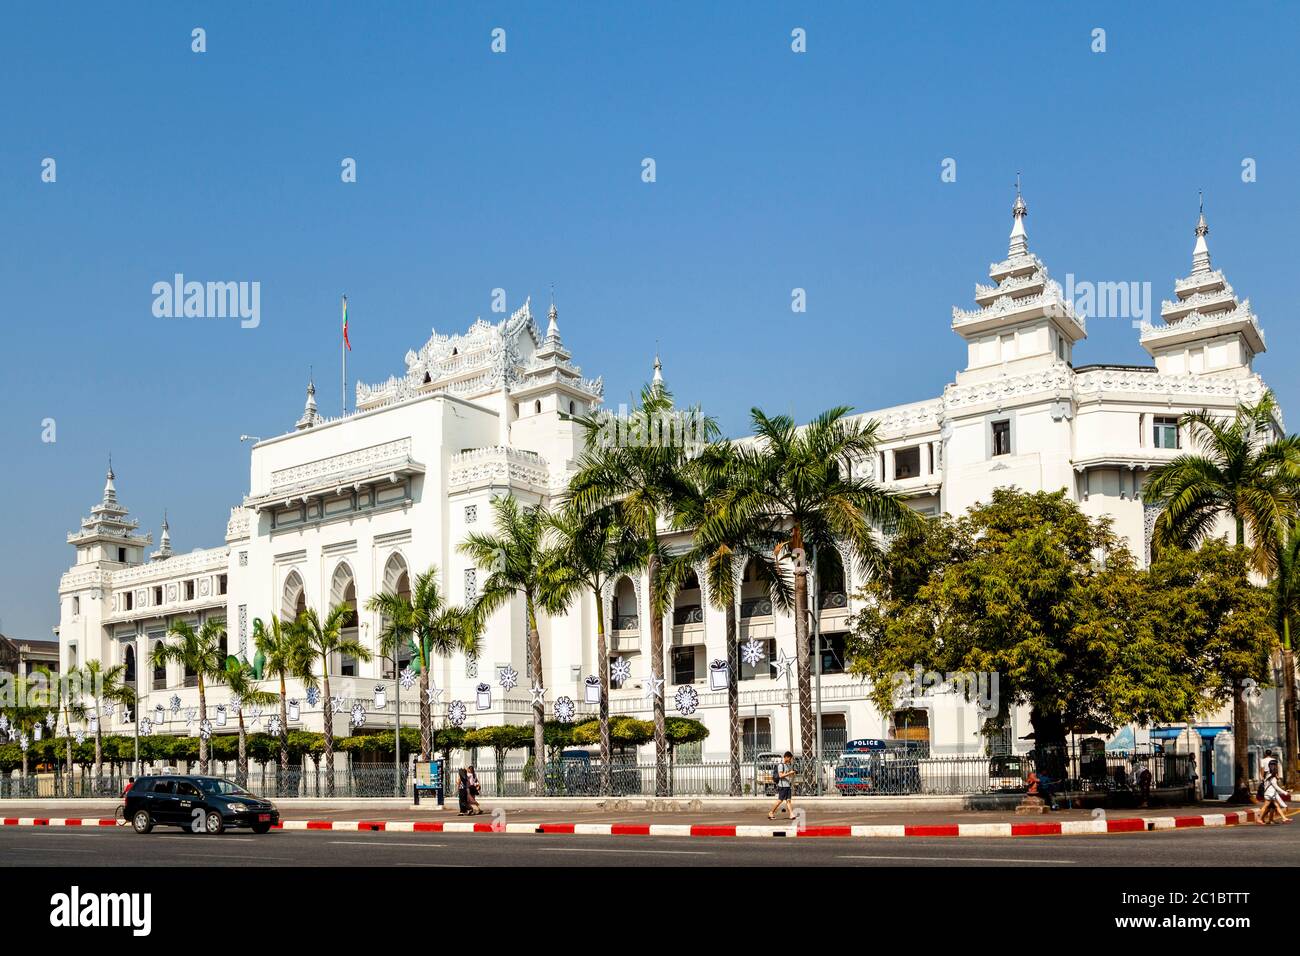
875	765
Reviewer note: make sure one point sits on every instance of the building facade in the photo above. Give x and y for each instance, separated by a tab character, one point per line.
340	509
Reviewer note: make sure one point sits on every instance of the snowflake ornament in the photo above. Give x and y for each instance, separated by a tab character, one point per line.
273	725
4	722
620	672
50	719
313	696
23	742
358	717
146	727
108	708
509	678
205	729
564	709
175	704
456	712
80	736
407	678
752	652
686	699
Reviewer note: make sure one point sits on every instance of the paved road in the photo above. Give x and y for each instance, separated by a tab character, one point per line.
1234	846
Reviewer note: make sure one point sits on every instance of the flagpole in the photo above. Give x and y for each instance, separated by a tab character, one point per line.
343	350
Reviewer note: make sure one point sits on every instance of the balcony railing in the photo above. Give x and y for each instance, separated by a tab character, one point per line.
830	600
626	622
691	614
758	607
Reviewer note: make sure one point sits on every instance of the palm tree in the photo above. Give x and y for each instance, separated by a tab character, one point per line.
23	713
1286	605
725	546
432	627
585	553
513	557
69	701
1243	471
106	686
799	483
283	653
323	640
242	682
640	474
203	654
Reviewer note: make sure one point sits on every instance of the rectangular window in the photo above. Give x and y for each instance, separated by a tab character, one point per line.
76	606
832	654
1002	437
763	667
128	601
1164	432
683	665
907	462
121	555
157	596
756	737
189	590
221	584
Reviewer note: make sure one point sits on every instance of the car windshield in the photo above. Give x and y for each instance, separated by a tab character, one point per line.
225	788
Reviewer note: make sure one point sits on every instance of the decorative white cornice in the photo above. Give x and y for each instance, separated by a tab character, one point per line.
1240	319
499	465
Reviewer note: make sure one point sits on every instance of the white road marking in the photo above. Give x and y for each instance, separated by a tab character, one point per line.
955	859
579	849
372	845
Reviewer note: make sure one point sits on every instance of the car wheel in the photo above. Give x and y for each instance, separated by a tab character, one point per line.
141	822
213	823
261	828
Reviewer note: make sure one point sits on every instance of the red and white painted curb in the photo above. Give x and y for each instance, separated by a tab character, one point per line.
1063	828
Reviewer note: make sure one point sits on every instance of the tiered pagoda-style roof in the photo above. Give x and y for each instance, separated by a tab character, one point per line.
108	521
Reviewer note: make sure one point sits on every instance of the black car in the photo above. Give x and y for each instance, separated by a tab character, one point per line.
197	804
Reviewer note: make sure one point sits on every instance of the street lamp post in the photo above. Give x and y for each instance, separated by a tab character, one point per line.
815	605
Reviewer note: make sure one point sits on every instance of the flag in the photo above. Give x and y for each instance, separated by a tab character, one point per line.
345	324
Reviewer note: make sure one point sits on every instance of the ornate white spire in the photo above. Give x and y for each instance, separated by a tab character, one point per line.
552	325
1201	251
164	542
309	414
1019	238
658	380
110	491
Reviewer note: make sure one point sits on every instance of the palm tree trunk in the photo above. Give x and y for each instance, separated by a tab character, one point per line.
241	766
602	661
99	750
657	674
203	715
1240	741
67	725
426	712
1292	762
539	708
807	720
327	706
284	739
733	696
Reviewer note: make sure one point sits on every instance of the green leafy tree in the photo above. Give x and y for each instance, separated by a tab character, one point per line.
23	710
282	653
1242	469
324	641
501	738
514	555
101	685
585	554
640	473
434	628
1286	614
801	482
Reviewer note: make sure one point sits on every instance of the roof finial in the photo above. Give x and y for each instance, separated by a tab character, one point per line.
110	490
1019	238
1201	251
552	325
309	414
658	380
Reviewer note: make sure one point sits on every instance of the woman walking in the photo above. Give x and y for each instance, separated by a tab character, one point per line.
462	792
472	779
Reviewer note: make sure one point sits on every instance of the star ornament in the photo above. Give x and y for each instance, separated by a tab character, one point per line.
434	693
654	687
539	694
785	662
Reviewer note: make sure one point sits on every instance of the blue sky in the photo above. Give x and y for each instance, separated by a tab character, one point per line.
476	170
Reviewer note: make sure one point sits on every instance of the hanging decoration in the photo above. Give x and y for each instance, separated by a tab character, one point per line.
591	689
483	696
146	727
752	652
620	672
313	696
358	717
221	715
456	712
408	678
295	709
719	675
654	687
509	678
686	699
205	729
565	709
175	704
158	714
381	697
273	725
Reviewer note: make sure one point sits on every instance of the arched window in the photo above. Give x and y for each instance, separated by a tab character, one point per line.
128	659
397	580
293	598
537	406
343	590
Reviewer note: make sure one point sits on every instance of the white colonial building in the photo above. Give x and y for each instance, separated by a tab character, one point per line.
339	509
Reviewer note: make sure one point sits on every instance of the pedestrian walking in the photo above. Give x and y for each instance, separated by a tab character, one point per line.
1274	796
472	779
783	778
1144	785
462	792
